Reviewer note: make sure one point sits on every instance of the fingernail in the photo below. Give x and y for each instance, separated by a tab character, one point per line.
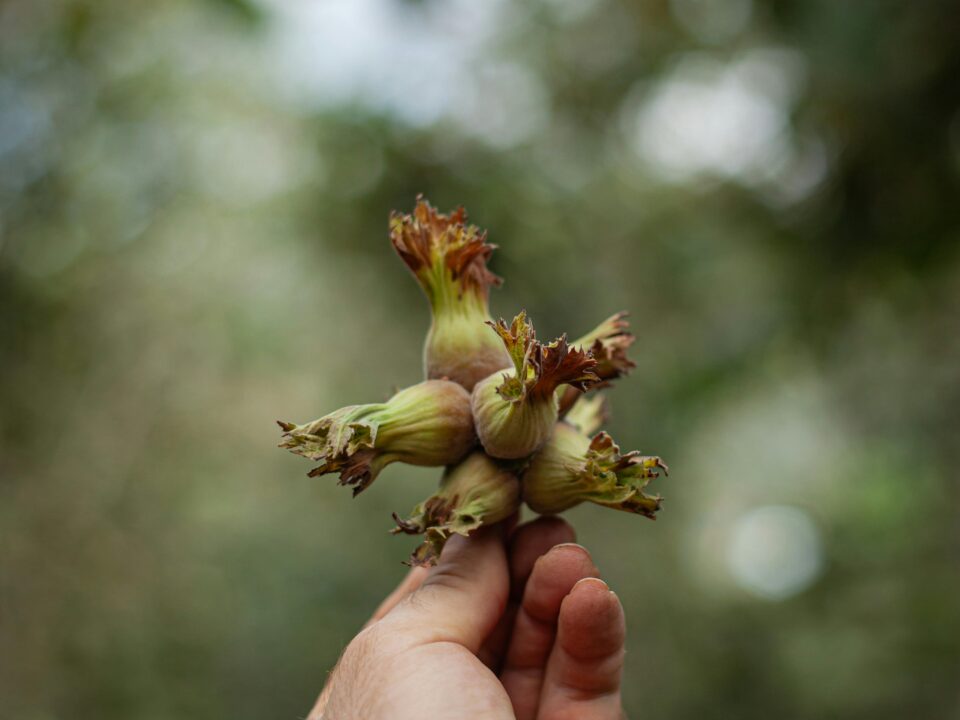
596	582
575	546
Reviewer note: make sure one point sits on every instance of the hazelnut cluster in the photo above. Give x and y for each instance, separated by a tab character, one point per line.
512	419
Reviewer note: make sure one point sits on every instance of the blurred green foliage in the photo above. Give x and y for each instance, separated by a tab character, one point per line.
193	206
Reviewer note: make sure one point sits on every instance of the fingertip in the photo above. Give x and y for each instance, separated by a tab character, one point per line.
586	666
576	547
461	598
590	583
530	542
468	560
554	576
592	623
569	560
552	525
543	533
481	541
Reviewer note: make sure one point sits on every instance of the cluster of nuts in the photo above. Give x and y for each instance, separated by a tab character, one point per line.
508	417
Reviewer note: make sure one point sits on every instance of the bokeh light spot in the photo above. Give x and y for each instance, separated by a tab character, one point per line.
775	551
725	119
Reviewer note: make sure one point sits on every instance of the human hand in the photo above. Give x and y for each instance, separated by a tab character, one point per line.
498	629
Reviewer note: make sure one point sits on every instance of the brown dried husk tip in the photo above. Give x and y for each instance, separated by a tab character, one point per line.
475	493
572	468
427	424
449	259
427	238
608	344
515	411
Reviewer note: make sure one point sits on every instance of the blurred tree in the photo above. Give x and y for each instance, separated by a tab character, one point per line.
193	205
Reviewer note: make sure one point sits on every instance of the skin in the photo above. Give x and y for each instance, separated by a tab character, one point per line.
507	625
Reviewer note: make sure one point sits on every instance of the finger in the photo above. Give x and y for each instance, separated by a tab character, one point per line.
411	582
530	541
493	647
509	526
554	576
583	673
463	597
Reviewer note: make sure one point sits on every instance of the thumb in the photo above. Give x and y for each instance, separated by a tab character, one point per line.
463	597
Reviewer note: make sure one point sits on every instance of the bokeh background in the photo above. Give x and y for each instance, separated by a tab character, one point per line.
193	212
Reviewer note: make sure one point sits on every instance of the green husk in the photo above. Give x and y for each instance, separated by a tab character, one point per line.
474	493
426	424
573	468
514	411
608	343
449	258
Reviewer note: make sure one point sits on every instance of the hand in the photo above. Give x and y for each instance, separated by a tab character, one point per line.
497	629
